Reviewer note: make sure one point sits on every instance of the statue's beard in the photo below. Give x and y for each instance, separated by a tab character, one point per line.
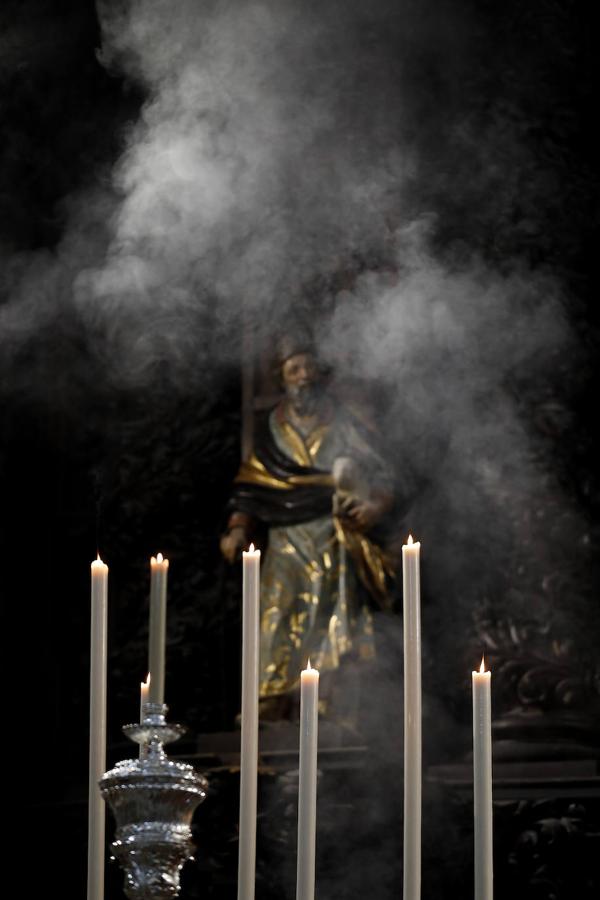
304	398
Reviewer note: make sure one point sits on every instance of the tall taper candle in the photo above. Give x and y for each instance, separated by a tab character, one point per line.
96	808
307	784
411	584
159	569
482	783
249	735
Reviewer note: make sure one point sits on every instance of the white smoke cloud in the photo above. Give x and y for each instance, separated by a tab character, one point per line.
259	161
273	150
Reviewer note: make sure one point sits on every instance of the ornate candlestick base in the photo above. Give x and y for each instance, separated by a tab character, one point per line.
153	800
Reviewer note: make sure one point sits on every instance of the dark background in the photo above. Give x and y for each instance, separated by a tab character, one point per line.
87	463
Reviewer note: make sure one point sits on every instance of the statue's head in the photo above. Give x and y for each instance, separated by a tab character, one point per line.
300	371
294	342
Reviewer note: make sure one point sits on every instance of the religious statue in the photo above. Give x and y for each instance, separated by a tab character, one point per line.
316	486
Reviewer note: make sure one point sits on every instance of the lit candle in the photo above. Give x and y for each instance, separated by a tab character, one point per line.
96	808
249	733
307	783
411	586
144	694
159	569
482	783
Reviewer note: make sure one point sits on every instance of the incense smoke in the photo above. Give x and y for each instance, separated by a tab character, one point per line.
303	160
276	150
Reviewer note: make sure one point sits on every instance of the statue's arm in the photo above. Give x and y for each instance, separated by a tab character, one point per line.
236	535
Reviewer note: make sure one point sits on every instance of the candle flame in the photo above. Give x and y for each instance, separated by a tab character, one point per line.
410	539
146	683
159	557
308	666
482	666
251	548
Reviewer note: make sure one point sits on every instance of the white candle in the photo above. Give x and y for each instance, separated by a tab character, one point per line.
159	569
249	734
411	586
482	783
96	808
144	694
307	784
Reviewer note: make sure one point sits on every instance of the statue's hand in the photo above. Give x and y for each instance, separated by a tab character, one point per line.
360	515
233	543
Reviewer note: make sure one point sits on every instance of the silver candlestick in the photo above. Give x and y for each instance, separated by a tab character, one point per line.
153	800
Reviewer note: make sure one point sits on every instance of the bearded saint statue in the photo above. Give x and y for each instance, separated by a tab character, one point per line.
317	487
